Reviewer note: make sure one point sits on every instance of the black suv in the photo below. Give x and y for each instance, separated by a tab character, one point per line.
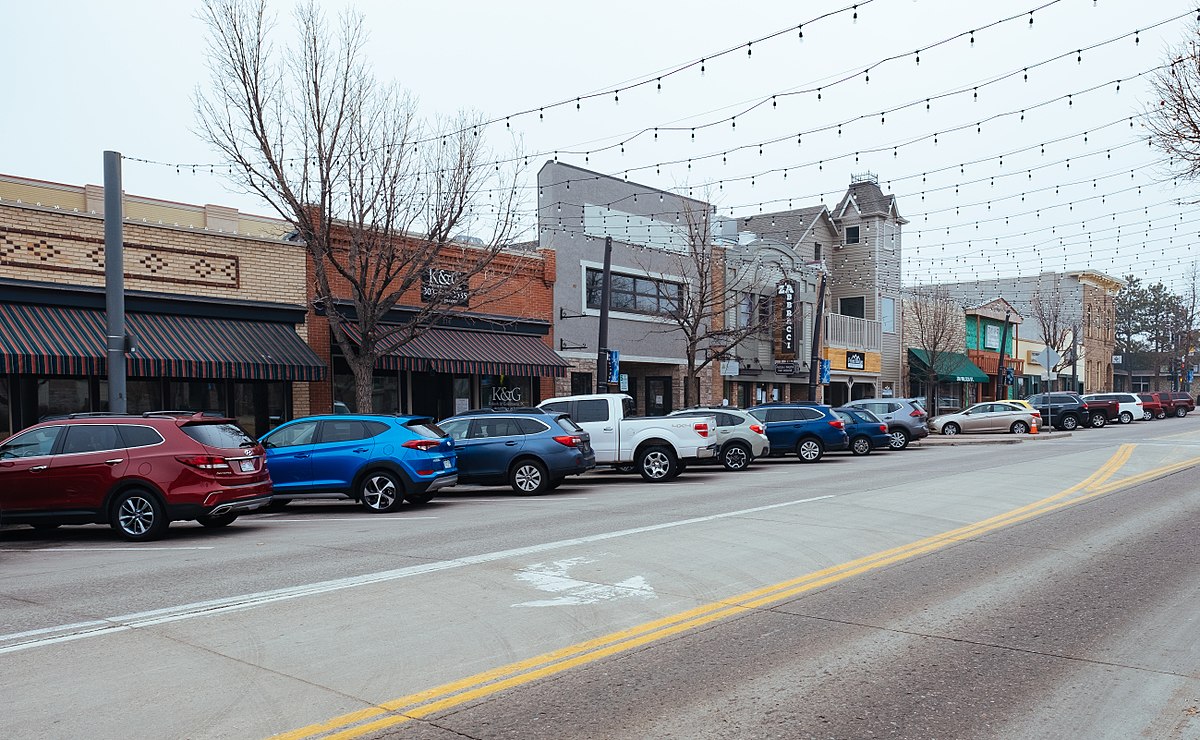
1066	411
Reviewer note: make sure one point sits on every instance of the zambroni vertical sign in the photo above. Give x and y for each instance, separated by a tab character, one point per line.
787	295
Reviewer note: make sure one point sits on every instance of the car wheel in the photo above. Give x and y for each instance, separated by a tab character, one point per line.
1099	421
899	439
950	429
1069	423
529	477
138	516
1160	414
657	464
860	446
1020	427
1125	417
809	450
216	522
1180	412
735	457
625	468
380	492
1147	415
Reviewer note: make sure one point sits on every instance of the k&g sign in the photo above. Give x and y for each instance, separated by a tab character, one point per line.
444	286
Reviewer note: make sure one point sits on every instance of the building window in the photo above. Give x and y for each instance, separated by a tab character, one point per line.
853	307
755	310
817	251
635	294
852	235
888	315
581	384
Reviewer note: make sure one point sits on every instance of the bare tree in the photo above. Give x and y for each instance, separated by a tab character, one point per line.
1173	115
934	322
703	310
1058	328
376	195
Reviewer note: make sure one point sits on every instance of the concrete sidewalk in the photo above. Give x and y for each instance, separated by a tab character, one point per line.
941	440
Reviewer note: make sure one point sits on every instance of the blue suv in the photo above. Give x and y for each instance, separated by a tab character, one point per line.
377	460
530	449
807	429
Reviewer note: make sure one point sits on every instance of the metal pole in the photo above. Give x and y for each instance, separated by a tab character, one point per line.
114	281
1000	365
1075	359
815	358
605	297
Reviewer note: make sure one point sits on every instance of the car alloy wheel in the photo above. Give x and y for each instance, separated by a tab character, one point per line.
529	477
657	464
860	446
899	439
379	492
1125	417
1099	421
1069	423
138	516
1180	412
1019	427
950	429
1162	414
735	457
1147	415
809	450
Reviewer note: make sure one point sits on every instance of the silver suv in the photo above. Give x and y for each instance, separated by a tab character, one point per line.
906	418
740	436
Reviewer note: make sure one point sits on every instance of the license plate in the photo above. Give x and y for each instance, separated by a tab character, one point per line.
446	464
247	466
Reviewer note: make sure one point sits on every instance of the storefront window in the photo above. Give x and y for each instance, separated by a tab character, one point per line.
385	392
462	394
6	426
140	396
506	391
259	407
58	396
195	395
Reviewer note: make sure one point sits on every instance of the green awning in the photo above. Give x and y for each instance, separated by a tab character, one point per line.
953	367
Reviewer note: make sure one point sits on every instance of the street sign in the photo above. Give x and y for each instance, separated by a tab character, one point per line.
1047	358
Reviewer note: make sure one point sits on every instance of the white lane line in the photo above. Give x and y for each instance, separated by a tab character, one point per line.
20	641
344	519
103	549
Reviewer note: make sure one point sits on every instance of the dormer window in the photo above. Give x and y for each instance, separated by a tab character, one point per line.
852	235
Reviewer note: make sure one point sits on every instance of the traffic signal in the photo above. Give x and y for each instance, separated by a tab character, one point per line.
1009	377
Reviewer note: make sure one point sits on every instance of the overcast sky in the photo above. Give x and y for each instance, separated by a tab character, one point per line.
984	201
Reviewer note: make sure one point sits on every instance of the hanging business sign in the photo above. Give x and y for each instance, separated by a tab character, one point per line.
444	286
786	367
856	361
787	340
825	374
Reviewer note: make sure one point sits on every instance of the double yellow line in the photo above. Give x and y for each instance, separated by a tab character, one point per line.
449	695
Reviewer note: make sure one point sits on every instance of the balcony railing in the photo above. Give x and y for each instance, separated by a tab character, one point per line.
853	333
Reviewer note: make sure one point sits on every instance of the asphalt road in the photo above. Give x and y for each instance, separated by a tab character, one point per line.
1042	589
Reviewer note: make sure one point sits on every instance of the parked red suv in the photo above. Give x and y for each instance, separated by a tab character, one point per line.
1152	406
136	473
1181	402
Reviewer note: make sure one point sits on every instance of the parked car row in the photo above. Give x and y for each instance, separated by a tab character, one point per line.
138	473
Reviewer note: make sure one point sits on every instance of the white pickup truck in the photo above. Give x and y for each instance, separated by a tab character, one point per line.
658	447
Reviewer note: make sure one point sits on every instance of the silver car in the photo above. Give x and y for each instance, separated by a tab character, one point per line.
740	436
991	416
906	418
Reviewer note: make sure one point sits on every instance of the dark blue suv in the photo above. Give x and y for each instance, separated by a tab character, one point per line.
377	460
806	429
530	449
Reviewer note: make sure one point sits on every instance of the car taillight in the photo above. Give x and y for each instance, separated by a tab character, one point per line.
424	445
837	424
916	414
569	440
701	428
208	463
758	429
883	428
1085	406
1038	414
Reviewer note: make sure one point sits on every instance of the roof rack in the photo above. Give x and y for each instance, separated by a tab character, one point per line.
513	410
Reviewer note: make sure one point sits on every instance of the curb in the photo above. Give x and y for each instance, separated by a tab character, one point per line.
1008	439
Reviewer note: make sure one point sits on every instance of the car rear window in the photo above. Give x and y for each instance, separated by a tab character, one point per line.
226	435
531	426
426	428
568	425
139	436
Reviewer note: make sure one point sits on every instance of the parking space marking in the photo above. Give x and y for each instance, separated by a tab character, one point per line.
18	642
347	519
103	549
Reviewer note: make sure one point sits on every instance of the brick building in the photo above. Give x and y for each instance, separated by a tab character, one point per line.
215	304
493	350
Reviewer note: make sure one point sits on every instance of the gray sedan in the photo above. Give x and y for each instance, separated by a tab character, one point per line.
992	416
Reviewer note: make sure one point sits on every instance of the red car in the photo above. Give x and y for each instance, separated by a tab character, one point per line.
136	473
1152	406
1181	402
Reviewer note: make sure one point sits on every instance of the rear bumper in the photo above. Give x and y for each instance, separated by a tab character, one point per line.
240	506
429	486
706	452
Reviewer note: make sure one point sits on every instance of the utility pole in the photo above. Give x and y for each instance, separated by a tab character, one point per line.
1075	358
1000	364
605	296
114	282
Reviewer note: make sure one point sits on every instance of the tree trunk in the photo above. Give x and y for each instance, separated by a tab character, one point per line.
364	374
690	384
